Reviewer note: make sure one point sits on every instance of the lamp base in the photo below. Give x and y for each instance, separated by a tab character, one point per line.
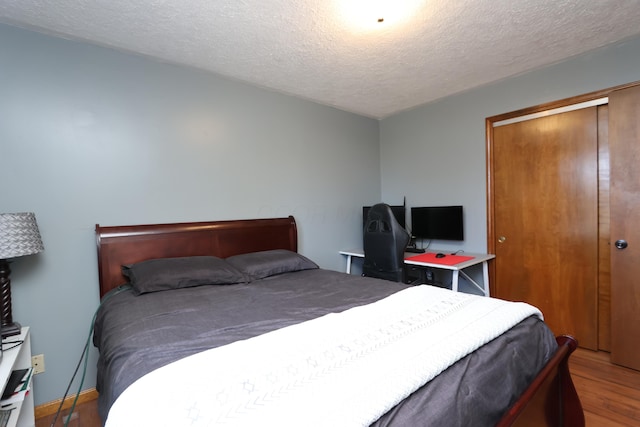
10	330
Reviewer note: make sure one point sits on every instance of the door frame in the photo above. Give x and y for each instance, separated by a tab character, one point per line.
554	107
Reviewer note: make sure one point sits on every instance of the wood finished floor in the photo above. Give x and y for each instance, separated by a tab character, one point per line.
610	394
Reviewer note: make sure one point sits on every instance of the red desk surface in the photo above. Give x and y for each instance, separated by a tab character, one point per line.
430	257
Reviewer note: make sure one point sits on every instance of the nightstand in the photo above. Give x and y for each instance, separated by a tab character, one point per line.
14	357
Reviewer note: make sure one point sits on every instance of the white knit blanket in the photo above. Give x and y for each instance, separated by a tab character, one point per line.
344	369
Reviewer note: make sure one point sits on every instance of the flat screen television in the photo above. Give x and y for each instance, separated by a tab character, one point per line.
399	212
437	222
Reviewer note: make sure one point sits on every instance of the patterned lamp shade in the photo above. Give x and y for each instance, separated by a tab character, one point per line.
19	235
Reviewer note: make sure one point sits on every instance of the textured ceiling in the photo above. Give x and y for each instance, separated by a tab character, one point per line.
331	52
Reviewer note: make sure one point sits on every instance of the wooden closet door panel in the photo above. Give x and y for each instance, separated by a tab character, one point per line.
604	235
546	218
624	145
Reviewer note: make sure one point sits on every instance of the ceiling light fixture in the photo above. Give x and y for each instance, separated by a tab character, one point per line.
368	15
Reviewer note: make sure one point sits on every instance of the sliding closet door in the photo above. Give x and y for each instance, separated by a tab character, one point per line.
624	142
545	218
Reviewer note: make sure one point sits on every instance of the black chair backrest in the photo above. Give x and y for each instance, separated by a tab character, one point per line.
384	243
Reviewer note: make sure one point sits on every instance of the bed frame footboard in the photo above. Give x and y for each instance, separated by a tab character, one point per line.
551	399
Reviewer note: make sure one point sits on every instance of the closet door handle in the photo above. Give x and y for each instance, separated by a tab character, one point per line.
621	244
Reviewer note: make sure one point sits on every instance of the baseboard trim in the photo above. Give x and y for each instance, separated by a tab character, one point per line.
51	408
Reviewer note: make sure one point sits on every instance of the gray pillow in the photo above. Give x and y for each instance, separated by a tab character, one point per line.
258	265
172	273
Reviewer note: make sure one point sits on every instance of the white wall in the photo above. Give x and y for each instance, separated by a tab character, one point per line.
436	154
90	135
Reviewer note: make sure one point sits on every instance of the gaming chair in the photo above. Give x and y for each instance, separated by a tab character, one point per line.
384	243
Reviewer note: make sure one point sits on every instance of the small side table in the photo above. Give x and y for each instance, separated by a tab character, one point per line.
16	354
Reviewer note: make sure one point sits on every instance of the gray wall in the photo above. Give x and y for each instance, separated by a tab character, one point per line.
436	154
90	135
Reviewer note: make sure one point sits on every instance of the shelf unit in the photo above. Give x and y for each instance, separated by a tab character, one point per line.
18	357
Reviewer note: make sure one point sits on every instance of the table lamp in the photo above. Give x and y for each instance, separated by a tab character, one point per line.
19	236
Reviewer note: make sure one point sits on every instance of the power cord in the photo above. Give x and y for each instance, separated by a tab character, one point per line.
15	344
86	359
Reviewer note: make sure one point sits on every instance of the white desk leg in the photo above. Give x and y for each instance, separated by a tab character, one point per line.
454	281
485	282
348	264
485	278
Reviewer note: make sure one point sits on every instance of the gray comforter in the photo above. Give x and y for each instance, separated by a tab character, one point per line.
137	334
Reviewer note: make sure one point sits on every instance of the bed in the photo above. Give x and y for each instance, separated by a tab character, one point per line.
175	354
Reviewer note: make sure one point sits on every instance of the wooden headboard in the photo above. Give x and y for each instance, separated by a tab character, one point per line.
129	244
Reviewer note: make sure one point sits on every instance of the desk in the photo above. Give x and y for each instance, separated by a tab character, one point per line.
456	269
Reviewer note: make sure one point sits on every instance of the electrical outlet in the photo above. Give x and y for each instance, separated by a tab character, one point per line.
37	362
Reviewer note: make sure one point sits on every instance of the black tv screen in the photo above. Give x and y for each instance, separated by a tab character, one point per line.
437	222
399	212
